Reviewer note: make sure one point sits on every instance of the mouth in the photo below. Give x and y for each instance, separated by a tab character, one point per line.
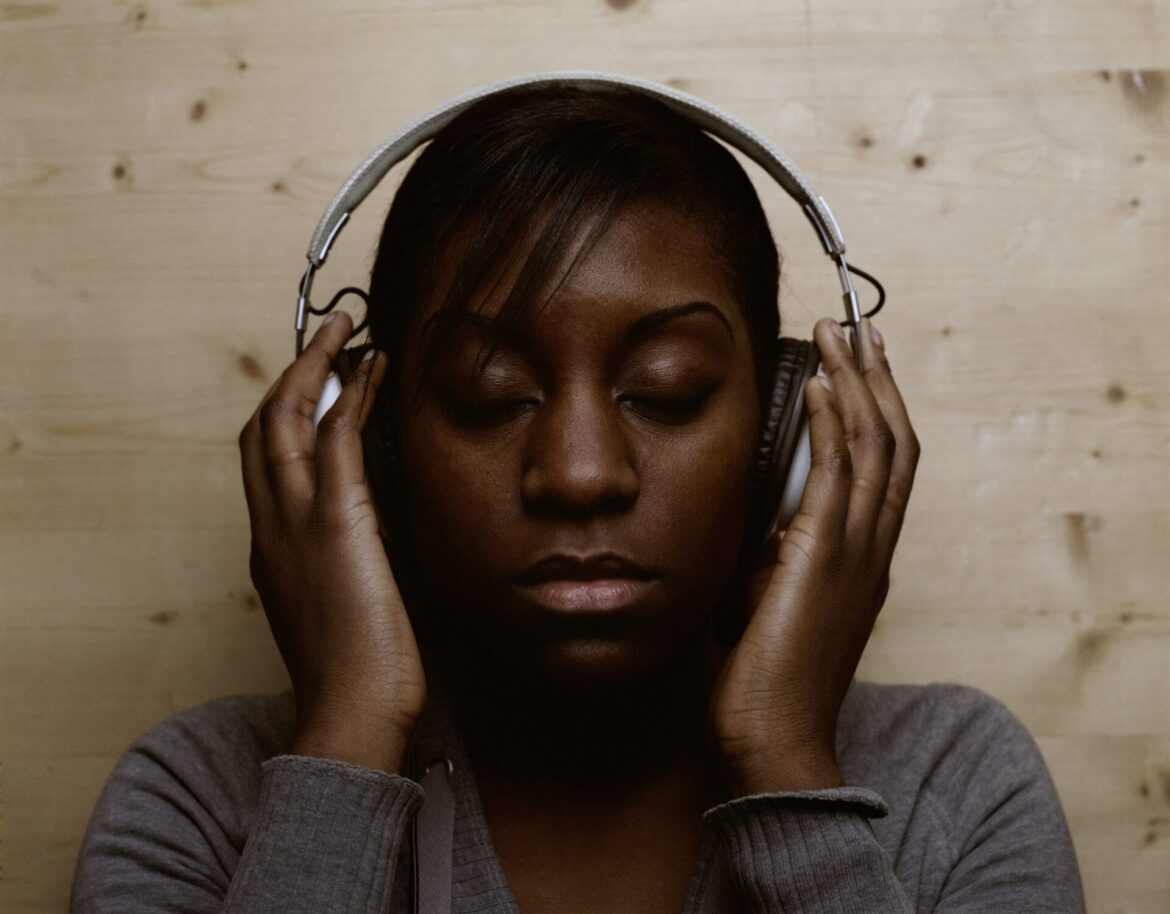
574	584
602	595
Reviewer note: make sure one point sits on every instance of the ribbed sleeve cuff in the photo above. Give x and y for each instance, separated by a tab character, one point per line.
807	851
325	838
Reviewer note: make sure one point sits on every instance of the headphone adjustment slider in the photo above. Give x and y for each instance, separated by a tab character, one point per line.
303	305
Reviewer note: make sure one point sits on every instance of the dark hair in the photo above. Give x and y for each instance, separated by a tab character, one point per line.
572	158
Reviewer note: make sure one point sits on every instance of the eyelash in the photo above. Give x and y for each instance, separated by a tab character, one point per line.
485	415
671	410
664	410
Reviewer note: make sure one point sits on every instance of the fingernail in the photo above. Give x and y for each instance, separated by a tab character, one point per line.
369	355
837	330
873	334
329	318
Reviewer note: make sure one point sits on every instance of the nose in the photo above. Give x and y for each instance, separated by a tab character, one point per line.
580	458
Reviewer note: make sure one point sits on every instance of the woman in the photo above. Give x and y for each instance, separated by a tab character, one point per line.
573	306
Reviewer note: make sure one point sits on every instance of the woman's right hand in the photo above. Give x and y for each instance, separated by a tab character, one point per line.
320	568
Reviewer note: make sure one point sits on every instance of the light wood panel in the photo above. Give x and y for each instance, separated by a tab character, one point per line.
1004	167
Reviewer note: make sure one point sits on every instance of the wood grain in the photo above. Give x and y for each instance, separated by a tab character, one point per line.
1004	168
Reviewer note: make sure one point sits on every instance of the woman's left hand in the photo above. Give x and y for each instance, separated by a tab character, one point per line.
818	592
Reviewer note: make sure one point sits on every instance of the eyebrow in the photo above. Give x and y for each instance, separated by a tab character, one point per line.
644	325
639	328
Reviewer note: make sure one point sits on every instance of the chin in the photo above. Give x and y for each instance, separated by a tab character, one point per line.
594	660
585	654
593	666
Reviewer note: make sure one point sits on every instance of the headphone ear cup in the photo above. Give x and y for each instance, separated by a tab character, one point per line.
796	362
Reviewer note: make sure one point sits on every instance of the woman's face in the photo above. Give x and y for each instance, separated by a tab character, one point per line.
578	502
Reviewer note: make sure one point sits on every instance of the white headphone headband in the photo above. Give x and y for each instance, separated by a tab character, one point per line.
706	116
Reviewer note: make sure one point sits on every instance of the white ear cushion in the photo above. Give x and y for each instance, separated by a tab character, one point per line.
328	397
798	471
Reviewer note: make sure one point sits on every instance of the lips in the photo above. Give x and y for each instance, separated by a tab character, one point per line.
600	583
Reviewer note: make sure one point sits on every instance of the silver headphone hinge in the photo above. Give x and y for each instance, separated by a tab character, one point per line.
303	306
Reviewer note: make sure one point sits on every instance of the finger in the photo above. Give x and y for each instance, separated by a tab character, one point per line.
871	442
257	490
286	417
340	463
818	529
906	453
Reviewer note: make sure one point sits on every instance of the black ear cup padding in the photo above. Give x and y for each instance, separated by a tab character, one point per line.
796	362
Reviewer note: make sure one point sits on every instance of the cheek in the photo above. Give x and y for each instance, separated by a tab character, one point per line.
460	502
702	492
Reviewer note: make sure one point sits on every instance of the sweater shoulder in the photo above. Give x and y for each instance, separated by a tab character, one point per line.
911	718
975	818
208	757
945	751
253	725
174	815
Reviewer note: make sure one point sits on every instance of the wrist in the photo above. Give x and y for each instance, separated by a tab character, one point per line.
369	741
386	755
783	772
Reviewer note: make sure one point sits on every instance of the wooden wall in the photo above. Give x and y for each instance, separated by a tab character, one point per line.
1004	167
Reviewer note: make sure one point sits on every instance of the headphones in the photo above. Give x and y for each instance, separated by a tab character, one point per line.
783	455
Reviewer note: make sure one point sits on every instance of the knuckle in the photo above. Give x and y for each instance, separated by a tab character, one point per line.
898	497
255	563
258	562
835	460
912	447
334	423
282	407
277	462
801	540
272	413
314	357
247	433
839	372
881	436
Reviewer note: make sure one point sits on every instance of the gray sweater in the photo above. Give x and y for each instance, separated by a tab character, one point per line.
952	810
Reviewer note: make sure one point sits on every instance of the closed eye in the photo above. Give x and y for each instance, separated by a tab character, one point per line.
671	410
482	414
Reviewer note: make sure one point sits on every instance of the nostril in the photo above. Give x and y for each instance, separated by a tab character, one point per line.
577	493
580	460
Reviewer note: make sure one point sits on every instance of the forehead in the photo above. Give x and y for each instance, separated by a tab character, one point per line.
647	256
655	255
